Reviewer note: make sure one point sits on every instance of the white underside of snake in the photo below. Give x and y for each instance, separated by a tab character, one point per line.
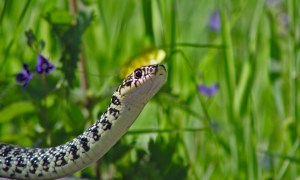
51	163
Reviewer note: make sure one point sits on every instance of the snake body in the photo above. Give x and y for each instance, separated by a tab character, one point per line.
51	163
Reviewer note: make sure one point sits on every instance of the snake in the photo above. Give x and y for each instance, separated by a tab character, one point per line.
127	102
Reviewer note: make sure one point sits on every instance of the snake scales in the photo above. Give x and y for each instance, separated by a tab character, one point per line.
50	163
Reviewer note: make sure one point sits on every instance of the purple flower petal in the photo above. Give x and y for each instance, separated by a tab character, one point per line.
24	76
272	2
43	65
208	90
215	21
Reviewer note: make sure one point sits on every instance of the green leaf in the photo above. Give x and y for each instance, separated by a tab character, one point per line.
58	16
14	110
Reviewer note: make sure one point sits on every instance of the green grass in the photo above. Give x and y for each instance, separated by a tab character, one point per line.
248	130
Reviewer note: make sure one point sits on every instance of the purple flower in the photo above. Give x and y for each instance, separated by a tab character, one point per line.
208	90
43	65
215	21
272	2
24	76
215	126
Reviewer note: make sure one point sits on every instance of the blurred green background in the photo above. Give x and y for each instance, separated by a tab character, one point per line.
248	129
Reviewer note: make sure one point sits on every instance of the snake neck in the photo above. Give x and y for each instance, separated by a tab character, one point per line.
76	154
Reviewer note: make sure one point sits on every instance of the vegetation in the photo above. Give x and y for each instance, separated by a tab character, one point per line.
230	108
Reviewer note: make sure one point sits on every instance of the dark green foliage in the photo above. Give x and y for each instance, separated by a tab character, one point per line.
160	162
69	32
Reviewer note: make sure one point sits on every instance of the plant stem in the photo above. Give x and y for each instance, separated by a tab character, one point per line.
81	65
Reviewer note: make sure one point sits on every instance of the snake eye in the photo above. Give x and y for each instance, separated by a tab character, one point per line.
138	73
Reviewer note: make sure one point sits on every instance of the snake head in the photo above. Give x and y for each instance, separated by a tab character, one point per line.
143	82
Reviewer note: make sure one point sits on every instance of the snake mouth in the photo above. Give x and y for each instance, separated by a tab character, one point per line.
156	81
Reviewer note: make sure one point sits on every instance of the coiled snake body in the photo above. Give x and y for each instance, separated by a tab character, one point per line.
50	163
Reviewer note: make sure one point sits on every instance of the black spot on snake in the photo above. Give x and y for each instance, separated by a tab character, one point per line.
115	101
